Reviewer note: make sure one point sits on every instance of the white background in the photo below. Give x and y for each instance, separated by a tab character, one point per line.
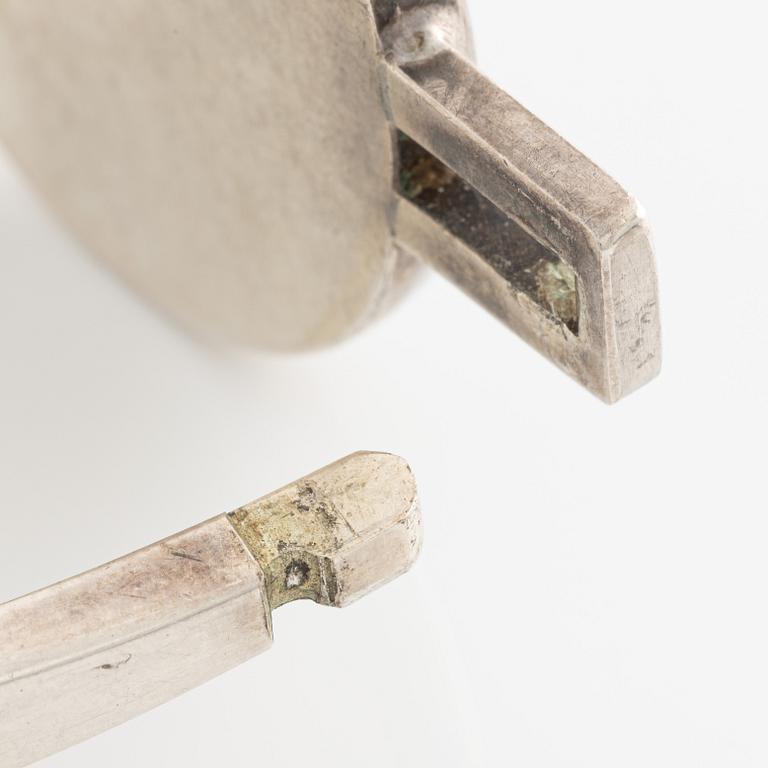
593	589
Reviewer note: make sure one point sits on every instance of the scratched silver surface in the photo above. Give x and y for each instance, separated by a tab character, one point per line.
91	652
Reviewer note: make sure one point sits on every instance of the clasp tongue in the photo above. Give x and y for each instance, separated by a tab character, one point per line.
504	207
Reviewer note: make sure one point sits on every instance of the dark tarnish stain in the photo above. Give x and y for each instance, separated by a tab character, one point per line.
307	498
329	584
645	361
296	574
185	556
328	514
308	501
527	266
117	664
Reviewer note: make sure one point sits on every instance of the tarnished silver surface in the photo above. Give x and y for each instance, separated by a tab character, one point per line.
82	656
242	164
562	200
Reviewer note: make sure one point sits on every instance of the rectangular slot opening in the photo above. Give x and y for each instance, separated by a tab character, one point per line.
528	266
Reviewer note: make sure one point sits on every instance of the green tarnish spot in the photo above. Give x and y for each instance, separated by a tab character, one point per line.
557	291
528	266
289	533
